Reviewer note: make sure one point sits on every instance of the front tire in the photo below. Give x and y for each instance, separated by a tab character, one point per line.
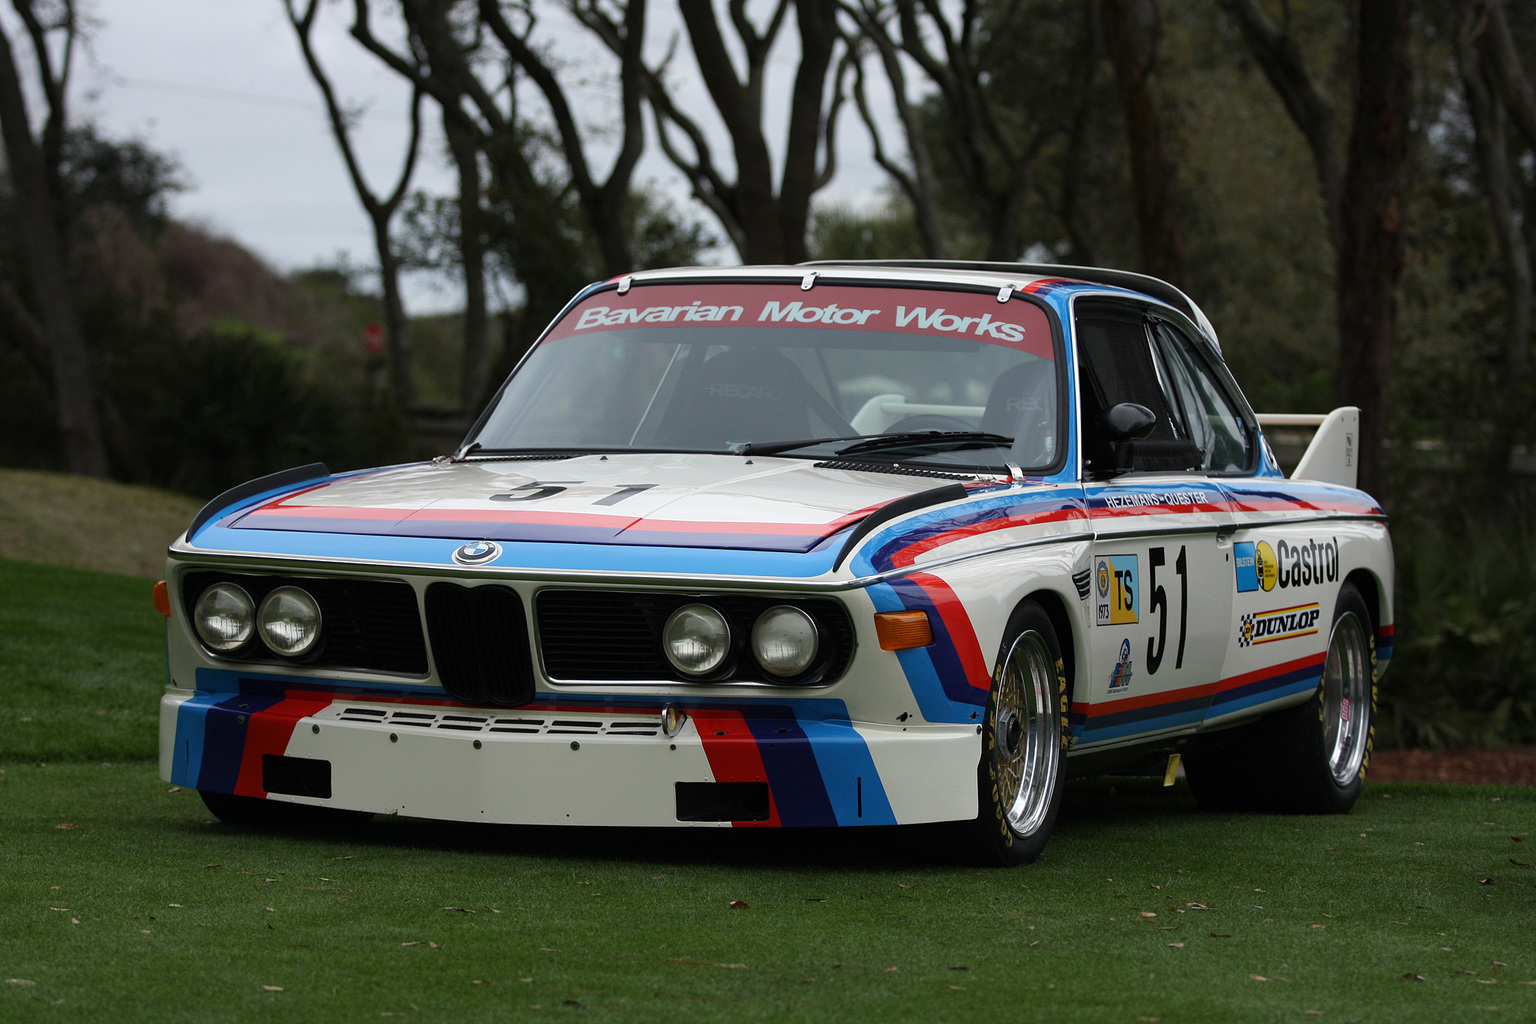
1021	774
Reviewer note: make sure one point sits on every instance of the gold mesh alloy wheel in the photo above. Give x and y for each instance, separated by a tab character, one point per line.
1027	731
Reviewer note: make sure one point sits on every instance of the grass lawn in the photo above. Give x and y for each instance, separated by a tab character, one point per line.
1417	907
82	664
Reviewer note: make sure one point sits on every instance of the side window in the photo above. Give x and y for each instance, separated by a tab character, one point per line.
1121	364
1210	415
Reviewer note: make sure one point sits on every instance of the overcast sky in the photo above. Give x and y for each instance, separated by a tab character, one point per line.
220	85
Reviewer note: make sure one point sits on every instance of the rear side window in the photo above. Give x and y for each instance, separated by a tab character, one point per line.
1210	417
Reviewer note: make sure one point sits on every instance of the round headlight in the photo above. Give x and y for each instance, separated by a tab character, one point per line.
289	621
696	639
784	640
224	617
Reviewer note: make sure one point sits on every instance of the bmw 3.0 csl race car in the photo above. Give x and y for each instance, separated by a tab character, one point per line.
835	544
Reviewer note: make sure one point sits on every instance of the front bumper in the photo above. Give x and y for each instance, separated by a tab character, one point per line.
794	763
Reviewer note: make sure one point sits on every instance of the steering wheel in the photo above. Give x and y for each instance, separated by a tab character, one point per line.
928	421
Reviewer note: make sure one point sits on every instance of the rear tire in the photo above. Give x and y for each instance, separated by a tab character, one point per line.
1312	758
1022	756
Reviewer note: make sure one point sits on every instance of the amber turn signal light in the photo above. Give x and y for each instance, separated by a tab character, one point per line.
163	599
901	631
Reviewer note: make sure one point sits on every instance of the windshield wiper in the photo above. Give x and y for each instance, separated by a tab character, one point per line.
945	440
774	447
939	440
478	450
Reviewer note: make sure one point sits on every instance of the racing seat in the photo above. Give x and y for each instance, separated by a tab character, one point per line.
1022	405
749	394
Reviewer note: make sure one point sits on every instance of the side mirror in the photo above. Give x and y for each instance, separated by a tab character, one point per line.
1128	421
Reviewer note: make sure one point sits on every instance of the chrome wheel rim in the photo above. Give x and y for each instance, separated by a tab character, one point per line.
1027	734
1346	699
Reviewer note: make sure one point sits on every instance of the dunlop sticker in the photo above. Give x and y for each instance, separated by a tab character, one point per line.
1280	624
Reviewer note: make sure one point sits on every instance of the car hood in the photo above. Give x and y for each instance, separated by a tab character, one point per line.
667	500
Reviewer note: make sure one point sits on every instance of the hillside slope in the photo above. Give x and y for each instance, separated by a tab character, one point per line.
89	524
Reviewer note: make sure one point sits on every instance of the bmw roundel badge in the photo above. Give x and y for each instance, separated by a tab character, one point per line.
477	552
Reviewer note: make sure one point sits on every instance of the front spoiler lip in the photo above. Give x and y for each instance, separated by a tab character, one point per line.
621	772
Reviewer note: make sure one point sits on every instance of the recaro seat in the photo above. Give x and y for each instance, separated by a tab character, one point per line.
749	394
1022	405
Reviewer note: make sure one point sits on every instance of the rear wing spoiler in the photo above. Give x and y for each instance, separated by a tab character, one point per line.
1330	458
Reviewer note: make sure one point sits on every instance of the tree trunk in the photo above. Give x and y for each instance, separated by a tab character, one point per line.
43	244
397	326
1480	87
993	145
1370	255
1005	240
466	157
752	201
604	203
1280	59
1132	32
1498	46
380	211
920	184
1504	79
1076	206
802	145
1364	201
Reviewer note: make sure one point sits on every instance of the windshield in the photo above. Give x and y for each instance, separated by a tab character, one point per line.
720	367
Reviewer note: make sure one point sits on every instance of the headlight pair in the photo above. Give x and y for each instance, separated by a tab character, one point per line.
288	620
697	640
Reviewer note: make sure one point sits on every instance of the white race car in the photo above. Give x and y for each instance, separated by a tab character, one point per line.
828	545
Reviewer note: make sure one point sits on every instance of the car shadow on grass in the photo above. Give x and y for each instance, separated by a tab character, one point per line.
1116	803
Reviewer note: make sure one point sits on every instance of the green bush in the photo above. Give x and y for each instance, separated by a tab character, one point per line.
207	412
1464	668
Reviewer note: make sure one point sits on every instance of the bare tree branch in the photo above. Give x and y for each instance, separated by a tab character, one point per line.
34	173
1498	46
767	225
604	203
919	186
708	188
381	212
22	328
847	64
1311	110
996	162
1482	83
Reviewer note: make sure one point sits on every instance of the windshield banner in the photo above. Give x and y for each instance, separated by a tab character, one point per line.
973	316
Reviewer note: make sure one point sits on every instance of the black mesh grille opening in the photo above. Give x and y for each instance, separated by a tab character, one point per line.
480	643
297	776
369	625
596	635
722	801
